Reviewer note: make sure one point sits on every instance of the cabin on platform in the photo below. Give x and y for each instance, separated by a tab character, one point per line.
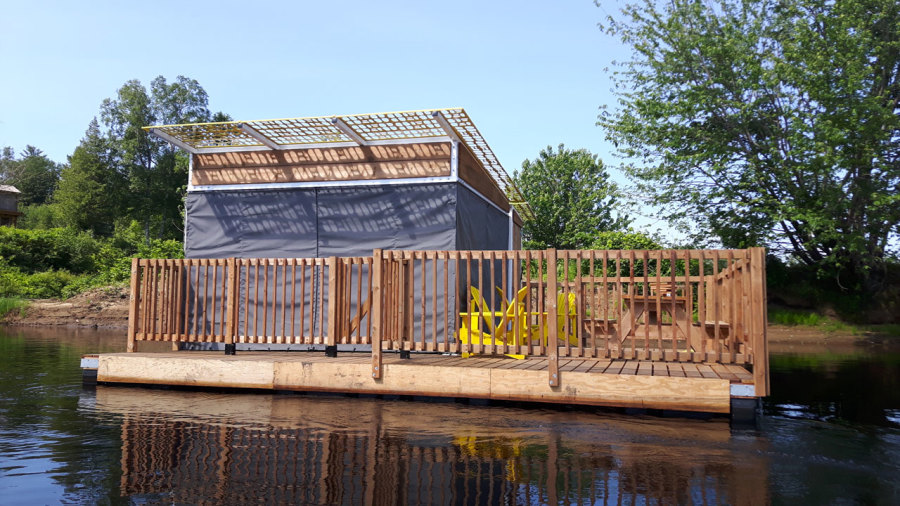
344	186
399	232
9	205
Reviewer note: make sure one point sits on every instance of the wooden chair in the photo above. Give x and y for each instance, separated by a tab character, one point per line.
496	335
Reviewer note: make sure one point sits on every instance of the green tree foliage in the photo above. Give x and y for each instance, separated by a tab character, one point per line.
768	122
612	240
53	249
39	216
90	192
7	164
61	262
571	196
33	174
156	172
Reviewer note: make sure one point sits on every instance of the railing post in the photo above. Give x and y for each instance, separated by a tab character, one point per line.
375	312
758	337
331	337
133	304
552	324
231	297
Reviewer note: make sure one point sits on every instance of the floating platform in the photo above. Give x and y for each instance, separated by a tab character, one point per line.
697	387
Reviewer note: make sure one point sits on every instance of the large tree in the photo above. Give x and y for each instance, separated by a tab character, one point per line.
91	191
571	196
8	164
157	173
33	174
772	122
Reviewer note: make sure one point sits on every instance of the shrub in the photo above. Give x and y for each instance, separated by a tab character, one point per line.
39	216
62	262
52	249
624	240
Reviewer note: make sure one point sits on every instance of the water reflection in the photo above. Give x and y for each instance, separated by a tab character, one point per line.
198	447
831	434
825	386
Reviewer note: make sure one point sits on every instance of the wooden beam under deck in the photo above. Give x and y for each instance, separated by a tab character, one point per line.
616	383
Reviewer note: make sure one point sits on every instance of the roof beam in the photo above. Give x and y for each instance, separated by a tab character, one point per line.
445	125
173	141
349	131
256	134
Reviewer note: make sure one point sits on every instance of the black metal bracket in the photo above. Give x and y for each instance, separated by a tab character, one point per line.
404	354
230	349
331	351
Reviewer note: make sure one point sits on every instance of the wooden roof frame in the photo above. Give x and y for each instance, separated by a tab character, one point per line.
390	128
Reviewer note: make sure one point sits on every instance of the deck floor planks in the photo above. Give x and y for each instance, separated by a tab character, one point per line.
706	371
571	365
599	366
615	367
510	364
630	368
691	371
538	365
585	366
743	374
533	365
660	369
452	361
724	373
645	369
479	362
492	363
675	370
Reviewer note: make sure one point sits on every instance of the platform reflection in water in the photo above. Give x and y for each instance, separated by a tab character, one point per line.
226	448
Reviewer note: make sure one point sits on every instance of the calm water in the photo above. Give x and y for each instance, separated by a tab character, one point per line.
831	435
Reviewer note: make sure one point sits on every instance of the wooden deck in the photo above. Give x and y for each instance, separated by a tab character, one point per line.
601	382
674	329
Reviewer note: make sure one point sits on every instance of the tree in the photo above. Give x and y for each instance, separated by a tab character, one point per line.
8	164
33	174
89	196
571	196
156	172
768	122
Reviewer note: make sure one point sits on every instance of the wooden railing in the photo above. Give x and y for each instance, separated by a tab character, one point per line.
255	300
661	305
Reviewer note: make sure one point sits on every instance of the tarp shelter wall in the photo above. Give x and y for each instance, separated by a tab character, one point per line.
346	222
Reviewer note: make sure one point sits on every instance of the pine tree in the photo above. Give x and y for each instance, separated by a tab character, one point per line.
90	190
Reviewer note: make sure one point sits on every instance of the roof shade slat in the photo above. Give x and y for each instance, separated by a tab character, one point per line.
388	127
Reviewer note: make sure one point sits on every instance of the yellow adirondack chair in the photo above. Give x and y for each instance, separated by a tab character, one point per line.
496	335
564	310
514	328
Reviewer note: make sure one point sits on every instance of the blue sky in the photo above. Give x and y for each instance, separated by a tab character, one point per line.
529	73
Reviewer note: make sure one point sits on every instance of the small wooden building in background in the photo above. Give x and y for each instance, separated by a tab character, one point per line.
9	205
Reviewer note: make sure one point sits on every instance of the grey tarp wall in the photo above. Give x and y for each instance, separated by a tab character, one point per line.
341	221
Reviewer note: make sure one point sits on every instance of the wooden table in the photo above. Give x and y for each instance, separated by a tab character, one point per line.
635	305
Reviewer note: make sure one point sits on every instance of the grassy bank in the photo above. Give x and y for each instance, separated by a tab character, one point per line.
11	304
825	323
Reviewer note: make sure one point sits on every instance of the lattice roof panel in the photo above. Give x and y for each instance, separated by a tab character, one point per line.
375	128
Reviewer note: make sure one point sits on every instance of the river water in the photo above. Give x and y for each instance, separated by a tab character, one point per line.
830	435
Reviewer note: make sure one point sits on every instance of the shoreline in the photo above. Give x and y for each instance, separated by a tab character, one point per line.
107	308
99	308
